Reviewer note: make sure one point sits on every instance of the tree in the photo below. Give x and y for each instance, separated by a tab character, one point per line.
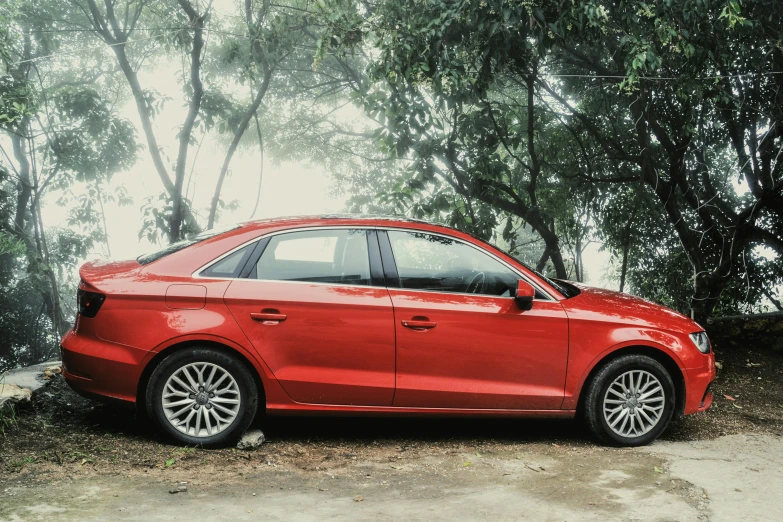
60	133
649	114
708	115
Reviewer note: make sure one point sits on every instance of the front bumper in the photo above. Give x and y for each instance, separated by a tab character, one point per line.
698	396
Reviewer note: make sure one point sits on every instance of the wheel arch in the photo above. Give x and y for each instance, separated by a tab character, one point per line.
159	356
666	359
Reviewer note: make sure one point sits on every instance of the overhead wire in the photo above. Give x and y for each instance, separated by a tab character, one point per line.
229	33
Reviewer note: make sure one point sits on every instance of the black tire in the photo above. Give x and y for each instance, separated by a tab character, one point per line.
247	392
597	390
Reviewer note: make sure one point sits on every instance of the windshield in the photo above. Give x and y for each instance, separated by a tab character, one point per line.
180	245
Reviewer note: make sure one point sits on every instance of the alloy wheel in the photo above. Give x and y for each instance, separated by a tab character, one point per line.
201	399
634	403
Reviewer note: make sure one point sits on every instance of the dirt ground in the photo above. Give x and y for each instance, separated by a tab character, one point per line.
71	459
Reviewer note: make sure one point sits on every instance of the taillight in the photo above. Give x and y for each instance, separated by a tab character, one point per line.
89	302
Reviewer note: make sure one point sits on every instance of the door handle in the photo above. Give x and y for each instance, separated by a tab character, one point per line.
419	324
268	316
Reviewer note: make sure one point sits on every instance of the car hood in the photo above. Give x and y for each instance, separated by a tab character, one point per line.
610	306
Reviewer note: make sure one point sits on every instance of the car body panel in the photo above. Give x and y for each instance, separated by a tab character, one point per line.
108	355
614	321
485	352
335	346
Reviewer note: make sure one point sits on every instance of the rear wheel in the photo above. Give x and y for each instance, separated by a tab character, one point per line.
630	401
202	396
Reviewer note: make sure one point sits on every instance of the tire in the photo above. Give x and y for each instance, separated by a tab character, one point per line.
624	416
227	393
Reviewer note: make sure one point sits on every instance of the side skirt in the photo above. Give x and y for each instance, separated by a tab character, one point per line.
326	409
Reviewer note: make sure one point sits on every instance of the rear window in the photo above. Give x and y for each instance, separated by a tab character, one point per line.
145	259
335	256
231	265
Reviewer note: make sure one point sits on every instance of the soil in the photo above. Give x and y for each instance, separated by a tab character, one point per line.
62	443
62	433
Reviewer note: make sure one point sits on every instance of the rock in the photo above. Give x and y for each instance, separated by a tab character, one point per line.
51	371
31	377
11	393
251	440
179	487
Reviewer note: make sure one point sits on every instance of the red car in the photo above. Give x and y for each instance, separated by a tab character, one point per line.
337	315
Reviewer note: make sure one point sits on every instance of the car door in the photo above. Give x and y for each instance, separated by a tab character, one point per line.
462	341
315	308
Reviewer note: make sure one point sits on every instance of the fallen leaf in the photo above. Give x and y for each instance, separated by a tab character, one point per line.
729	397
658	470
556	445
736	405
466	464
169	463
358	499
719	365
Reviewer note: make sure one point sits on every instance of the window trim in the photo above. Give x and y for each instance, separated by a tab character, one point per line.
373	254
384	269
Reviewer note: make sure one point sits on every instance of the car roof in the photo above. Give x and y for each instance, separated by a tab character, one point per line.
347	220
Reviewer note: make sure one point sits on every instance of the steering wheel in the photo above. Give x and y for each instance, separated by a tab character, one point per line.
477	283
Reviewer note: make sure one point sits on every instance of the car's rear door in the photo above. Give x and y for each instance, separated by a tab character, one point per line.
315	307
462	342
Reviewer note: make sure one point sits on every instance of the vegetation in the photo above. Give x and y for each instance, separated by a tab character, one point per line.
651	128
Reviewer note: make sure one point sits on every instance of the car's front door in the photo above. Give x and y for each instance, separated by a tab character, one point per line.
319	317
462	341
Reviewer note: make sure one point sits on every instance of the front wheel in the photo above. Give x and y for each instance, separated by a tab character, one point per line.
630	401
202	396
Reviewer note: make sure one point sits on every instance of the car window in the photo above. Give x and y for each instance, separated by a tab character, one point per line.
437	263
231	265
318	256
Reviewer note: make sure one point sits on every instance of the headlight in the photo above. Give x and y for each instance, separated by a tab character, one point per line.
701	341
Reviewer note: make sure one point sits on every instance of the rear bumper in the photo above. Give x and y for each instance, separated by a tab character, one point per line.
698	395
98	369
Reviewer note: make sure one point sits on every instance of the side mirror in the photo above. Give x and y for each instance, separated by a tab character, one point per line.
524	295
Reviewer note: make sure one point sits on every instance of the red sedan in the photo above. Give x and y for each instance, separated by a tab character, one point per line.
373	316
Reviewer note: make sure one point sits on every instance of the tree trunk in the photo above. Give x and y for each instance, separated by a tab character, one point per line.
187	127
243	124
626	248
24	187
538	222
36	252
103	218
117	41
261	167
542	260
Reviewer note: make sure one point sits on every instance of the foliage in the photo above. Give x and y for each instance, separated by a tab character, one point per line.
652	127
